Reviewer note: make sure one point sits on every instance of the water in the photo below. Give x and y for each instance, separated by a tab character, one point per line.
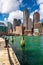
32	53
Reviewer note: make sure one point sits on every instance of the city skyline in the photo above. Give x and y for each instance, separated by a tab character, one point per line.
10	11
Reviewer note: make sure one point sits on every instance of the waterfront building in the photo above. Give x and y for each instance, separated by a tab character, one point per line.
19	30
42	29
16	22
36	17
30	24
10	28
25	18
27	22
36	23
38	27
3	28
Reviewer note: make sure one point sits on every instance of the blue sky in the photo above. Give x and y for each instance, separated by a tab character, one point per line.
32	4
20	5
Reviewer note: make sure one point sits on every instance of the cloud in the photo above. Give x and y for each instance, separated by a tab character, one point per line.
7	6
40	2
41	11
5	21
15	14
31	16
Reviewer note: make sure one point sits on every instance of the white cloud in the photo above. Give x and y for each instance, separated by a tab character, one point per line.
41	11
31	16
7	6
15	14
40	2
5	21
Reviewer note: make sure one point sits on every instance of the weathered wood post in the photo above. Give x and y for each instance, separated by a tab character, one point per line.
22	41
6	42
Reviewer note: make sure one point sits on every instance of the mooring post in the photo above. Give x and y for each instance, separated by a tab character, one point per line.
22	41
6	42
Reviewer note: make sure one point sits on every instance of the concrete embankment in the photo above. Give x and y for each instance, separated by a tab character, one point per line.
7	56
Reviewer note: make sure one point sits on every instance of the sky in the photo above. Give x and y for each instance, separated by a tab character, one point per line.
10	9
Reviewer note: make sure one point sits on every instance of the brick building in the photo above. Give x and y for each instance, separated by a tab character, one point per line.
38	26
19	30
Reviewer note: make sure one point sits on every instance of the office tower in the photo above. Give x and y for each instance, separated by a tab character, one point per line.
25	18
16	23
36	23
30	24
36	17
10	28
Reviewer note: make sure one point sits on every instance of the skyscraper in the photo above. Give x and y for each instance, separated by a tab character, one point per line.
36	22
30	24
10	28
25	18
16	22
36	17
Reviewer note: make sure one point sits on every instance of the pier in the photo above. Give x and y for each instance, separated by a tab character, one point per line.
7	55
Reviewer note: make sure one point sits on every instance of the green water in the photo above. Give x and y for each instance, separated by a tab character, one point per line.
32	53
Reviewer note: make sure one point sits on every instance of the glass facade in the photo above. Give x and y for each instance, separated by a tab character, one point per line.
3	29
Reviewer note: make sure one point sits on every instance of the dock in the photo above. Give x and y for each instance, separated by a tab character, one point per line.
7	55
